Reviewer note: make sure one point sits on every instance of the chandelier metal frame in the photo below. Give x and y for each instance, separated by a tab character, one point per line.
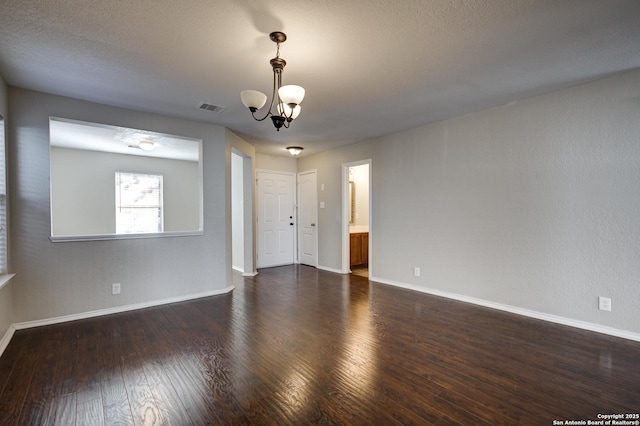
286	98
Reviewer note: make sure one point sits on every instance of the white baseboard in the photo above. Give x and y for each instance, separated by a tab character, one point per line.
326	268
117	309
515	310
7	338
244	274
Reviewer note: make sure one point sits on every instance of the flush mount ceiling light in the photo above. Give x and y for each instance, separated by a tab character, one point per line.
287	99
294	150
146	145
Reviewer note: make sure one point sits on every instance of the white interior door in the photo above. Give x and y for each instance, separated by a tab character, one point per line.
275	218
308	218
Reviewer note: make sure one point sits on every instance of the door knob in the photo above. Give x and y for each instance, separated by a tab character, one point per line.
313	224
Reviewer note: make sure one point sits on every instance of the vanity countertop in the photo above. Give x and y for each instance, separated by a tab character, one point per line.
358	229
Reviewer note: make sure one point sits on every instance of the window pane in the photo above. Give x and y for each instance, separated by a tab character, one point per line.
138	203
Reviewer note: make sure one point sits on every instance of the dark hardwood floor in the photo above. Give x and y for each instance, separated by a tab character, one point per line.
295	346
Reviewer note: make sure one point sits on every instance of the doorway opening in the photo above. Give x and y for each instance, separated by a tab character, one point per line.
356	208
242	231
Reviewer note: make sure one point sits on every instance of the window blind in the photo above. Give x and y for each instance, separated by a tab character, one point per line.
3	200
139	203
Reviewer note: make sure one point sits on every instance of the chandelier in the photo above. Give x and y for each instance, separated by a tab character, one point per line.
286	98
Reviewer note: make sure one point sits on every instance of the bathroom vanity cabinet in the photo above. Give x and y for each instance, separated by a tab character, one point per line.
359	246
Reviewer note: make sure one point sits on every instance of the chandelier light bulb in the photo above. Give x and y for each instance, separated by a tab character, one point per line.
253	99
291	94
285	111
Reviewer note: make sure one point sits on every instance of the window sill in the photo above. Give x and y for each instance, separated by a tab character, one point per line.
4	279
102	237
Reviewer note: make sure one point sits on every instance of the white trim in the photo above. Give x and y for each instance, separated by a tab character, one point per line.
326	268
516	310
243	273
7	338
118	309
103	237
4	279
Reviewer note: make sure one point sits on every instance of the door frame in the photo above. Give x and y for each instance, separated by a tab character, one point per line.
346	268
298	249
248	213
294	212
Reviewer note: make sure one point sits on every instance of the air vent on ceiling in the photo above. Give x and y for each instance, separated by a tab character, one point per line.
210	107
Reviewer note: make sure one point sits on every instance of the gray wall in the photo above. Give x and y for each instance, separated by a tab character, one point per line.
55	279
276	163
6	295
534	204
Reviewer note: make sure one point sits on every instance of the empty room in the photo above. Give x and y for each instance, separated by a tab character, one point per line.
420	212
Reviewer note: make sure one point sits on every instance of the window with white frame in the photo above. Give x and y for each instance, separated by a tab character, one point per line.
3	200
139	203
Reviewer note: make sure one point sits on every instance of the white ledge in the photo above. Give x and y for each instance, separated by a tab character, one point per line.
101	237
4	279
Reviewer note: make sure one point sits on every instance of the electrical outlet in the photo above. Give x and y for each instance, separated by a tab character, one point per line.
416	271
604	303
115	288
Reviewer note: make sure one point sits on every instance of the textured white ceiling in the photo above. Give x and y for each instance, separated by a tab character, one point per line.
74	134
370	67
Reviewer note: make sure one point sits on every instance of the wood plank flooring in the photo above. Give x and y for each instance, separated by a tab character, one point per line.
295	345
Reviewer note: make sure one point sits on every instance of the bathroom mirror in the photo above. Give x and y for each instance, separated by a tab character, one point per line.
352	202
110	182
